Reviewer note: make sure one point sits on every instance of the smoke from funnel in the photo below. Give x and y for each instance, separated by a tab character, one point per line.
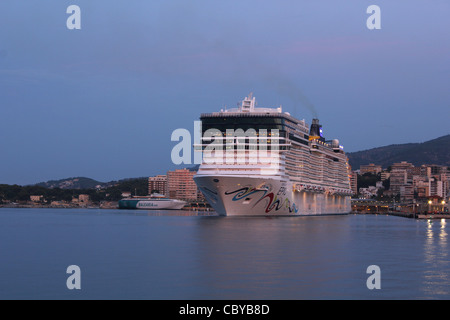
271	75
284	86
289	89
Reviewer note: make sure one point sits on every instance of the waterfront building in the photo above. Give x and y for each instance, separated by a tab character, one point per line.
83	198
422	171
59	204
407	193
421	187
385	175
447	200
437	187
158	184
399	178
437	204
354	182
370	168
369	192
402	165
181	185
37	198
436	169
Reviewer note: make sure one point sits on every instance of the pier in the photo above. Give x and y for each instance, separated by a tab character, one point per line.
370	206
410	215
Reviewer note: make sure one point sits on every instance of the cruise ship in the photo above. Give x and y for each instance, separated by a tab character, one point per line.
263	161
152	202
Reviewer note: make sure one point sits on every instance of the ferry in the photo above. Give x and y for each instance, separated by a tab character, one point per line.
263	161
152	202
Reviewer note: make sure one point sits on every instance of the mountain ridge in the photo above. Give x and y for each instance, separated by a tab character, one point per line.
82	183
435	151
70	183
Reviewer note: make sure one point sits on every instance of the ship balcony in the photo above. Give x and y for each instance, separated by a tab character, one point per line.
241	171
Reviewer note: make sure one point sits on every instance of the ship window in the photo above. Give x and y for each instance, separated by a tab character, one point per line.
292	137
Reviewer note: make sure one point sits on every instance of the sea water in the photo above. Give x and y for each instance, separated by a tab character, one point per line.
166	255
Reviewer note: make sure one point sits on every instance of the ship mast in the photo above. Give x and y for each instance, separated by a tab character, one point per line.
248	104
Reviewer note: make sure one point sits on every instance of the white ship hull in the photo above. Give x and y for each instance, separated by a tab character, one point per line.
256	196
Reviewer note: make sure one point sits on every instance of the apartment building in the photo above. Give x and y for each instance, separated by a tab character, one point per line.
181	185
158	184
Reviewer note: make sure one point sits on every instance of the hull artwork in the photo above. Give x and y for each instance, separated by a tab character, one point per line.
268	197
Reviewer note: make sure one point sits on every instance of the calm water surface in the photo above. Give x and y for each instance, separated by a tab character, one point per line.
180	255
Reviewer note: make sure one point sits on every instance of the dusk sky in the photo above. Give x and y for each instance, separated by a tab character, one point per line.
102	102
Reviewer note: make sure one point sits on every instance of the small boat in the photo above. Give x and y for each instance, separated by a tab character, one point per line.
152	202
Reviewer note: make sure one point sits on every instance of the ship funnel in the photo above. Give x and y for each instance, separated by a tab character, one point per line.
316	130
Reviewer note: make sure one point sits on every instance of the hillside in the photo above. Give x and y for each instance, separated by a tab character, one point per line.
436	151
67	189
81	183
71	183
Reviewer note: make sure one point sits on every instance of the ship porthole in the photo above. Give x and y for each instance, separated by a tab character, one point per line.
216	180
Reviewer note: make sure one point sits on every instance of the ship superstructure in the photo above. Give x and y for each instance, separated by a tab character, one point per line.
263	161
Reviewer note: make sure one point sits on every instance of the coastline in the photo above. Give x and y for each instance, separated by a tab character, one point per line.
409	215
104	205
113	205
62	206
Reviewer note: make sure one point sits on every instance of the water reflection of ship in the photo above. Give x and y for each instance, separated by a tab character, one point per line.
267	257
